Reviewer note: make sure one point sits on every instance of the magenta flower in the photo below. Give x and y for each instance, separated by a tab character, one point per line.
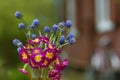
53	73
44	39
23	71
50	54
32	65
36	41
62	65
51	46
57	61
57	77
24	56
45	63
29	46
36	50
37	59
58	50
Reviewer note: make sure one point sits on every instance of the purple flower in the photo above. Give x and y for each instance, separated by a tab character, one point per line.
46	29
36	50
57	77
53	73
55	28
37	59
44	39
32	65
33	36
58	50
18	15
68	23
21	26
51	46
35	22
62	40
71	40
45	63
57	61
24	56
62	65
23	71
50	54
36	41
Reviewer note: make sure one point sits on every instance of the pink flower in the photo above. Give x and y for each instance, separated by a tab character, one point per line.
36	41
32	65
50	54
23	71
44	39
23	55
45	63
37	59
36	50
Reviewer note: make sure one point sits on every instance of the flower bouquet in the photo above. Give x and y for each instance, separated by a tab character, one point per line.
41	51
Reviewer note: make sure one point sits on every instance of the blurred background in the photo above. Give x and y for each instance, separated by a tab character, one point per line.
96	25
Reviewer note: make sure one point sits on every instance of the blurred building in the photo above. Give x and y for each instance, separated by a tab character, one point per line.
91	20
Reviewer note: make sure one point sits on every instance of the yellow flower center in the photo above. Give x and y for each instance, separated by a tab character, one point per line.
57	61
49	55
45	62
50	46
36	40
38	58
36	51
24	56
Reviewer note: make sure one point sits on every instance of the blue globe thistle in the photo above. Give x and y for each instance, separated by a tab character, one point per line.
55	28
21	26
68	24
46	29
19	44
70	35
61	24
27	35
32	27
33	36
71	40
18	49
15	41
35	22
62	39
18	15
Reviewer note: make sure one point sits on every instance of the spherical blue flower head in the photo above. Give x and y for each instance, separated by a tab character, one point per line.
35	22
33	36
15	41
18	49
21	26
62	39
55	28
19	44
18	15
70	35
61	24
71	40
27	35
32	27
46	29
68	24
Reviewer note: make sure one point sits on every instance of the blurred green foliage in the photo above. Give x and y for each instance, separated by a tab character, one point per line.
45	10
